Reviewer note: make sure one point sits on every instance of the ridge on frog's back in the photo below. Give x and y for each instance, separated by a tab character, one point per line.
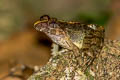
70	35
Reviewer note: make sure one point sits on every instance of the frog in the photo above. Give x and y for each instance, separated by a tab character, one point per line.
74	36
86	54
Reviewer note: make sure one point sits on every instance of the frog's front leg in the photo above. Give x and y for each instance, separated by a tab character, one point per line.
55	49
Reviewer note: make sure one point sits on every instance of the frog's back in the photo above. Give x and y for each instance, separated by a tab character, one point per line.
83	35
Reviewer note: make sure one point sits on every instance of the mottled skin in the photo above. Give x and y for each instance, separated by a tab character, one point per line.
72	35
95	58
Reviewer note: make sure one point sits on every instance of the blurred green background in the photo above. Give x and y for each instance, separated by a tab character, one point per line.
16	14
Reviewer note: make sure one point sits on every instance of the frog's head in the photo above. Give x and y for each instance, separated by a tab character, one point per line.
49	26
45	24
53	29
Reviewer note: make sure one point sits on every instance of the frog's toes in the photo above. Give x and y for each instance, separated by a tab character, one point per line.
55	49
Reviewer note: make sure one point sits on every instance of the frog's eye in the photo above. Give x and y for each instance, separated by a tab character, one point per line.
44	17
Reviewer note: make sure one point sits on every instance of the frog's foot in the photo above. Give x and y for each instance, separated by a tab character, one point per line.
55	49
85	61
87	64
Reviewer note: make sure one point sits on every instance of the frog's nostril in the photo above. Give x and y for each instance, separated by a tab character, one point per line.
37	25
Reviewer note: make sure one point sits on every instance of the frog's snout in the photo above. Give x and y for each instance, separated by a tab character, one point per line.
37	22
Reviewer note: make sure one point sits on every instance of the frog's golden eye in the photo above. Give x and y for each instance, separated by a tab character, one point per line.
44	17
